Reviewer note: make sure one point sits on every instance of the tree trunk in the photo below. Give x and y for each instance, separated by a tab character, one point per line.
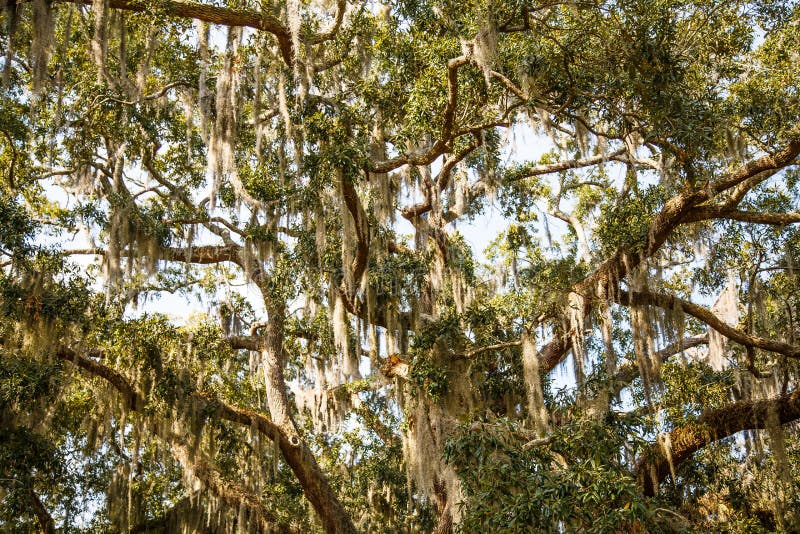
318	491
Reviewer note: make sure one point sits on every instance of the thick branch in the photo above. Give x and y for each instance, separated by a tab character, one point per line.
712	425
224	16
602	282
202	255
46	522
703	213
705	315
298	457
245	342
356	210
132	399
395	366
230	493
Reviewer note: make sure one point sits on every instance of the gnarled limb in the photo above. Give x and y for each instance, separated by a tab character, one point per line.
448	122
711	426
602	282
663	300
224	16
410	212
356	210
341	7
299	458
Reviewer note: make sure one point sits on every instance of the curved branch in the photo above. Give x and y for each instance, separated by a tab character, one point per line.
132	399
353	204
299	458
224	16
711	426
447	167
231	493
603	281
410	212
705	315
341	6
448	121
538	170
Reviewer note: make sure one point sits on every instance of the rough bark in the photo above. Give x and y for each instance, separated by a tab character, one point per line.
332	514
225	16
46	522
602	282
299	458
712	425
704	213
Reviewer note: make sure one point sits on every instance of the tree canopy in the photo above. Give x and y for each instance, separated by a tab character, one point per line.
403	266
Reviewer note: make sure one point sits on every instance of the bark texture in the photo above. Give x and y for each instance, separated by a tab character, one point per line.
711	426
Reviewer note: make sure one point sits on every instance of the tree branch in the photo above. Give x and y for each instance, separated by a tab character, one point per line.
703	213
46	522
359	265
489	348
671	302
224	16
245	342
713	425
539	170
205	255
603	281
410	212
299	458
627	373
448	120
341	6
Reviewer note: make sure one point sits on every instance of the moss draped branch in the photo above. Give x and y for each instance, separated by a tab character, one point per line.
299	458
225	16
671	302
602	282
448	122
627	373
711	426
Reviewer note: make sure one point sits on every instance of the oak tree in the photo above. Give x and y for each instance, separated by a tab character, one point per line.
406	266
